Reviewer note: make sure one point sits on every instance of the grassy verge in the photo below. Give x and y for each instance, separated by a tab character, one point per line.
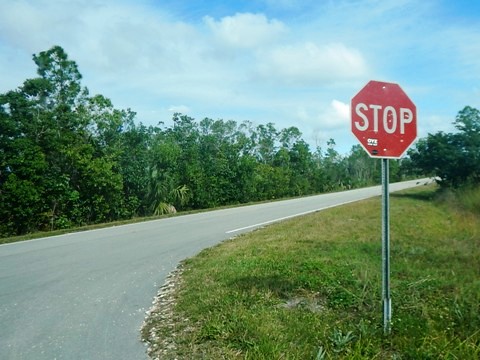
310	288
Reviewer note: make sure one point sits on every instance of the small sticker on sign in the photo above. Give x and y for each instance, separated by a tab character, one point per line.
372	142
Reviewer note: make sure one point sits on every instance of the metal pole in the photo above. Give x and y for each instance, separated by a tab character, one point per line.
387	303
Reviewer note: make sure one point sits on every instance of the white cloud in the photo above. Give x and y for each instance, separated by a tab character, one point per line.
136	40
183	109
284	65
246	30
32	25
341	109
109	37
333	122
335	116
321	122
332	115
311	64
433	124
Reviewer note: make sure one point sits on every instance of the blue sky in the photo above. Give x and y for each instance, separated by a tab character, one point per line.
293	63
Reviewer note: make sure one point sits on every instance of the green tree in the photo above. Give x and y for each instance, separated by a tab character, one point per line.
134	162
467	123
265	139
68	158
61	147
335	168
362	169
62	78
453	157
164	192
438	155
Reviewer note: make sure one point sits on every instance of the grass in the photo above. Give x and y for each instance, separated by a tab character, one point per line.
310	288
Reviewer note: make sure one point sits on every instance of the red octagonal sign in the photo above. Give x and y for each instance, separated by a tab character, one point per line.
384	120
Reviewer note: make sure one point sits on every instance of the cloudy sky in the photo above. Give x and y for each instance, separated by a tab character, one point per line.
290	62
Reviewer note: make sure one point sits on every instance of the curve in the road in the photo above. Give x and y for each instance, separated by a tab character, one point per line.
84	295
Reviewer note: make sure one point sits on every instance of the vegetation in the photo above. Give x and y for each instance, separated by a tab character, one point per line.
453	157
69	159
310	288
307	288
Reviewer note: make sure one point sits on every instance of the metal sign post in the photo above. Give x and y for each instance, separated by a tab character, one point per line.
384	120
387	302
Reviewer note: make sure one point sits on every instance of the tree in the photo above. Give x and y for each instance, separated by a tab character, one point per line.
61	148
23	161
68	158
164	193
468	123
265	140
335	168
362	169
453	157
134	162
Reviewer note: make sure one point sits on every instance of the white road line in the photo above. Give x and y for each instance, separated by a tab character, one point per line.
288	217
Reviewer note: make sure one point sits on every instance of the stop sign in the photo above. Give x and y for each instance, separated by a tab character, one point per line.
384	119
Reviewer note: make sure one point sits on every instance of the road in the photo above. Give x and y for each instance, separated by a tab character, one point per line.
84	295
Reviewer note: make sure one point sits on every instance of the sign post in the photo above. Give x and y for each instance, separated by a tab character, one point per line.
387	301
384	120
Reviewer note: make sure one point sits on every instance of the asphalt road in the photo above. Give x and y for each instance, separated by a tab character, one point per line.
84	295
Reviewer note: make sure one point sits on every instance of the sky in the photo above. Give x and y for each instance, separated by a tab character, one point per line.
289	62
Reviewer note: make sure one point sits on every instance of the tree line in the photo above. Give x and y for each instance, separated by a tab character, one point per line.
452	157
68	158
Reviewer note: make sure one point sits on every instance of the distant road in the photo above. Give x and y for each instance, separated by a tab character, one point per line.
84	295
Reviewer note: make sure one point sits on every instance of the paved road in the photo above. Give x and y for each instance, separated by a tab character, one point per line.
84	295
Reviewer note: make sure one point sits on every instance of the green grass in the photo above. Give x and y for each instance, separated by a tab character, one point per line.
310	288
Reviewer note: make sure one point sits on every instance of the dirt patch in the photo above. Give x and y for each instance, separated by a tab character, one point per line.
314	303
158	329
